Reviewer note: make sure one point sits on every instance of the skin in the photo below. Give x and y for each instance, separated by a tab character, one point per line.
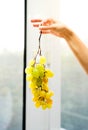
50	26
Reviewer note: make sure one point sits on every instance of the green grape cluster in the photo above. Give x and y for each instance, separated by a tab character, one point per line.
37	75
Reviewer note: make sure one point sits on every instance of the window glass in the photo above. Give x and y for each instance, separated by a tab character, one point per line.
11	64
74	94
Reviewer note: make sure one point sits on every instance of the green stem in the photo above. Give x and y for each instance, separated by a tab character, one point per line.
39	47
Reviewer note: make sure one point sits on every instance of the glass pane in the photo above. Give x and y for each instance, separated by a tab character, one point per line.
74	96
36	118
11	64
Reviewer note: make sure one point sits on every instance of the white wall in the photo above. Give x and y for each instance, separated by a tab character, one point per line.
37	119
12	25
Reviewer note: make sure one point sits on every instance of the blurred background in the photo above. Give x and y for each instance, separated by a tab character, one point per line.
11	64
70	107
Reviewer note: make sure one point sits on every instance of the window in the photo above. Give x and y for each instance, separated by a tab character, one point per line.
70	81
37	118
11	64
74	94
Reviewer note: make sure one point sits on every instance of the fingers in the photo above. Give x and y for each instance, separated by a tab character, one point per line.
48	21
45	26
36	22
39	22
45	31
36	25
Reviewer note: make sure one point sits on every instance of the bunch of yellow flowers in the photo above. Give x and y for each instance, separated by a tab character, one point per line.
37	75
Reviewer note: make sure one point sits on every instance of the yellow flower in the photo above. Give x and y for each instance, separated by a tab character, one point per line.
45	87
35	99
45	79
28	70
49	73
49	105
42	60
44	107
49	94
37	75
49	101
31	62
32	85
29	77
37	104
42	94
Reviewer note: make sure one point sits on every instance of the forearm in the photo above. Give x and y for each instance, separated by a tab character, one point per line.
78	48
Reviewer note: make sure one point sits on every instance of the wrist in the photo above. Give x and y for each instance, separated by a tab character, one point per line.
68	34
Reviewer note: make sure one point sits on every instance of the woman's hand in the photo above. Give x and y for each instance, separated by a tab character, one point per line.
50	26
59	29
